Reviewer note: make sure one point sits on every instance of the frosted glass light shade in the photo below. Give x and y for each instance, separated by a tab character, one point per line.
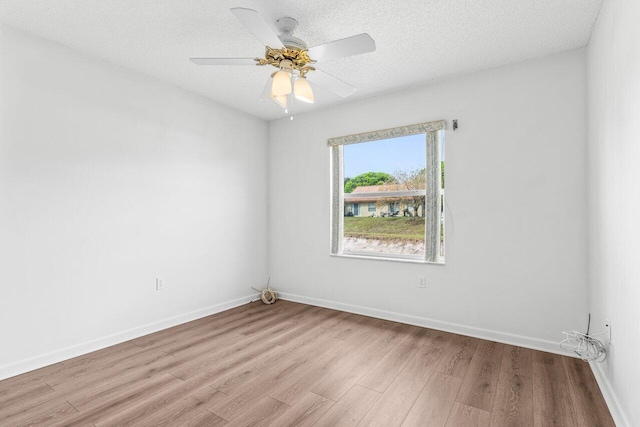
281	84
302	90
281	100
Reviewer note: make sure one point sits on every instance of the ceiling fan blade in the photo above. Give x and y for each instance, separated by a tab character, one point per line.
254	22
354	45
330	83
223	61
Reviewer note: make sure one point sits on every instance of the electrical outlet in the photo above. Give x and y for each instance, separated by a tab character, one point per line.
607	329
422	282
159	283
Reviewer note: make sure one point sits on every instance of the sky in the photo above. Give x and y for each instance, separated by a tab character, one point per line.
387	155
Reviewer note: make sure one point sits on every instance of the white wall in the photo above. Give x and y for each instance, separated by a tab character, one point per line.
108	179
516	248
614	199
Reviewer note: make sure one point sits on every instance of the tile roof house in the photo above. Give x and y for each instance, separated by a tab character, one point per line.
381	200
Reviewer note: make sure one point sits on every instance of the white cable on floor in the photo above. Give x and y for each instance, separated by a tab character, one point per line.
588	347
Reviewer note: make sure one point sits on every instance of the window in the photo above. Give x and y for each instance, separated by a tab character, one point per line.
399	174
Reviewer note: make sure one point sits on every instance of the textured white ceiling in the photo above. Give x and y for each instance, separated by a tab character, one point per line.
417	40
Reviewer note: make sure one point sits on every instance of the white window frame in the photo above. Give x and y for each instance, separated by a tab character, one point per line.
434	132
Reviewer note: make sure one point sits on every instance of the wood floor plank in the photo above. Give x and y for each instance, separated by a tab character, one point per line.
22	408
95	365
294	313
480	383
246	378
233	347
13	384
272	377
208	328
468	416
174	414
308	375
319	321
588	402
352	326
349	410
397	400
262	413
433	405
517	360
29	391
243	312
385	371
292	364
240	353
363	357
124	367
176	401
293	354
46	416
271	319
210	349
331	368
544	357
306	412
456	360
180	343
96	358
89	393
513	406
552	403
103	407
205	419
234	343
91	388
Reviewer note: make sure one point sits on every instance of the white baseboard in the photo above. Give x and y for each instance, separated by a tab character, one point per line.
618	414
56	356
487	334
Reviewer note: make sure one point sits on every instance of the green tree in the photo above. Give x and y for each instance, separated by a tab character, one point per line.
407	181
365	180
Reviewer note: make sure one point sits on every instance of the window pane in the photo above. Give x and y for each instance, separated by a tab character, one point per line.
390	177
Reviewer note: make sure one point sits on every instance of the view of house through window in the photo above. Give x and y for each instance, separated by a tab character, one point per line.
384	205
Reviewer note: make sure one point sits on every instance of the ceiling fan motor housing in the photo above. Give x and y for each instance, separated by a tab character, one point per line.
287	26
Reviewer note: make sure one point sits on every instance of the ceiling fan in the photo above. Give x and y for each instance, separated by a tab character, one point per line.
293	59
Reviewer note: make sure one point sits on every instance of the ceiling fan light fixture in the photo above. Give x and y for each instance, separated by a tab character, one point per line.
291	57
281	85
302	90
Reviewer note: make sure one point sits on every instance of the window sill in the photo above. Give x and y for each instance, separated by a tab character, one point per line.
391	258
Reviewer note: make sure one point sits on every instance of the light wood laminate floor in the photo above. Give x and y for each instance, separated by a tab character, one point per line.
294	364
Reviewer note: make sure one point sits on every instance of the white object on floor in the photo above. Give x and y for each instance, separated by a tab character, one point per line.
267	295
588	347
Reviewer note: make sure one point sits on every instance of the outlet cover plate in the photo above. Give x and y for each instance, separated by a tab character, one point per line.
422	281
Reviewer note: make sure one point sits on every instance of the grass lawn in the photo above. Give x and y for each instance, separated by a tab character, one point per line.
394	228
